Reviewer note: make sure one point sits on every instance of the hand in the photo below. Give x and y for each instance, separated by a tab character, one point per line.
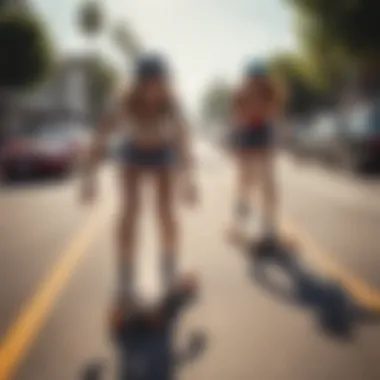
190	193
88	192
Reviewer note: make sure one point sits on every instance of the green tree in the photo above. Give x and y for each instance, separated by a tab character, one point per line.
91	18
303	95
91	22
126	40
26	54
216	103
341	38
26	57
102	80
351	24
328	64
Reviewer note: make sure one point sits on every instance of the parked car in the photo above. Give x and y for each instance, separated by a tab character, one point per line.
349	139
359	143
317	138
53	148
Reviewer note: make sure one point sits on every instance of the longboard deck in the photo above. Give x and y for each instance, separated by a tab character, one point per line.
144	342
153	315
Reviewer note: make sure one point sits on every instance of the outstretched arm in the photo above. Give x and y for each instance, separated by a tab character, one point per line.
185	152
186	158
279	101
98	145
234	107
232	120
279	111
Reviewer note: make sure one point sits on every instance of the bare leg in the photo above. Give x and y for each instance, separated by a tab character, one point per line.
269	193
126	231
245	179
168	225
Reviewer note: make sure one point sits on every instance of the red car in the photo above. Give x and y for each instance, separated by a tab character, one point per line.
54	149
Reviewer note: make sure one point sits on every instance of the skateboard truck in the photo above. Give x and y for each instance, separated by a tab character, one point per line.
182	292
152	316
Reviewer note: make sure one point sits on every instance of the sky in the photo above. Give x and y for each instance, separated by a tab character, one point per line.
203	39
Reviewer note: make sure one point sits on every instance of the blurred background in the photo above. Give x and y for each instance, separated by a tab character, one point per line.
62	62
52	95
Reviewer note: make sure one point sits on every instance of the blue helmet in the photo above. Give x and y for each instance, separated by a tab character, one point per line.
150	66
257	69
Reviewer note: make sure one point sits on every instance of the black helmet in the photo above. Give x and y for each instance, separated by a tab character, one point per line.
257	68
151	66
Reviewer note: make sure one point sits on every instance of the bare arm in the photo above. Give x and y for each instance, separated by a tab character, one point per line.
186	161
279	111
98	146
234	109
279	101
232	120
184	145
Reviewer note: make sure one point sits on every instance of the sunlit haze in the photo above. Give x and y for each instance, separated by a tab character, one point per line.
204	39
226	230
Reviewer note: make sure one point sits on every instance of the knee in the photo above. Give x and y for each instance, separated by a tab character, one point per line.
130	212
165	211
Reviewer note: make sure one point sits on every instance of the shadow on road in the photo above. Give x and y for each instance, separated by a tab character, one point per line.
145	353
285	277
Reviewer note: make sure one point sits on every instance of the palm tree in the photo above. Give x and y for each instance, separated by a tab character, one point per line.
91	19
126	40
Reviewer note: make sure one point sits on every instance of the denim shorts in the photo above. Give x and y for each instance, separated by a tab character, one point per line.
253	137
147	157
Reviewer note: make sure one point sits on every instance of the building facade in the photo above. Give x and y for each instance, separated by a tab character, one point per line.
62	96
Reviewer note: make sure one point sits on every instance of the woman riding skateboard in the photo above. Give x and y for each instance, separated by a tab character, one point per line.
256	105
156	143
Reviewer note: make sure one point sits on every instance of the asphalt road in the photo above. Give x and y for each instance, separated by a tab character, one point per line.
253	320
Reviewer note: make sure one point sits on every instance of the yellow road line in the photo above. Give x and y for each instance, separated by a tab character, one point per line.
24	331
363	293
